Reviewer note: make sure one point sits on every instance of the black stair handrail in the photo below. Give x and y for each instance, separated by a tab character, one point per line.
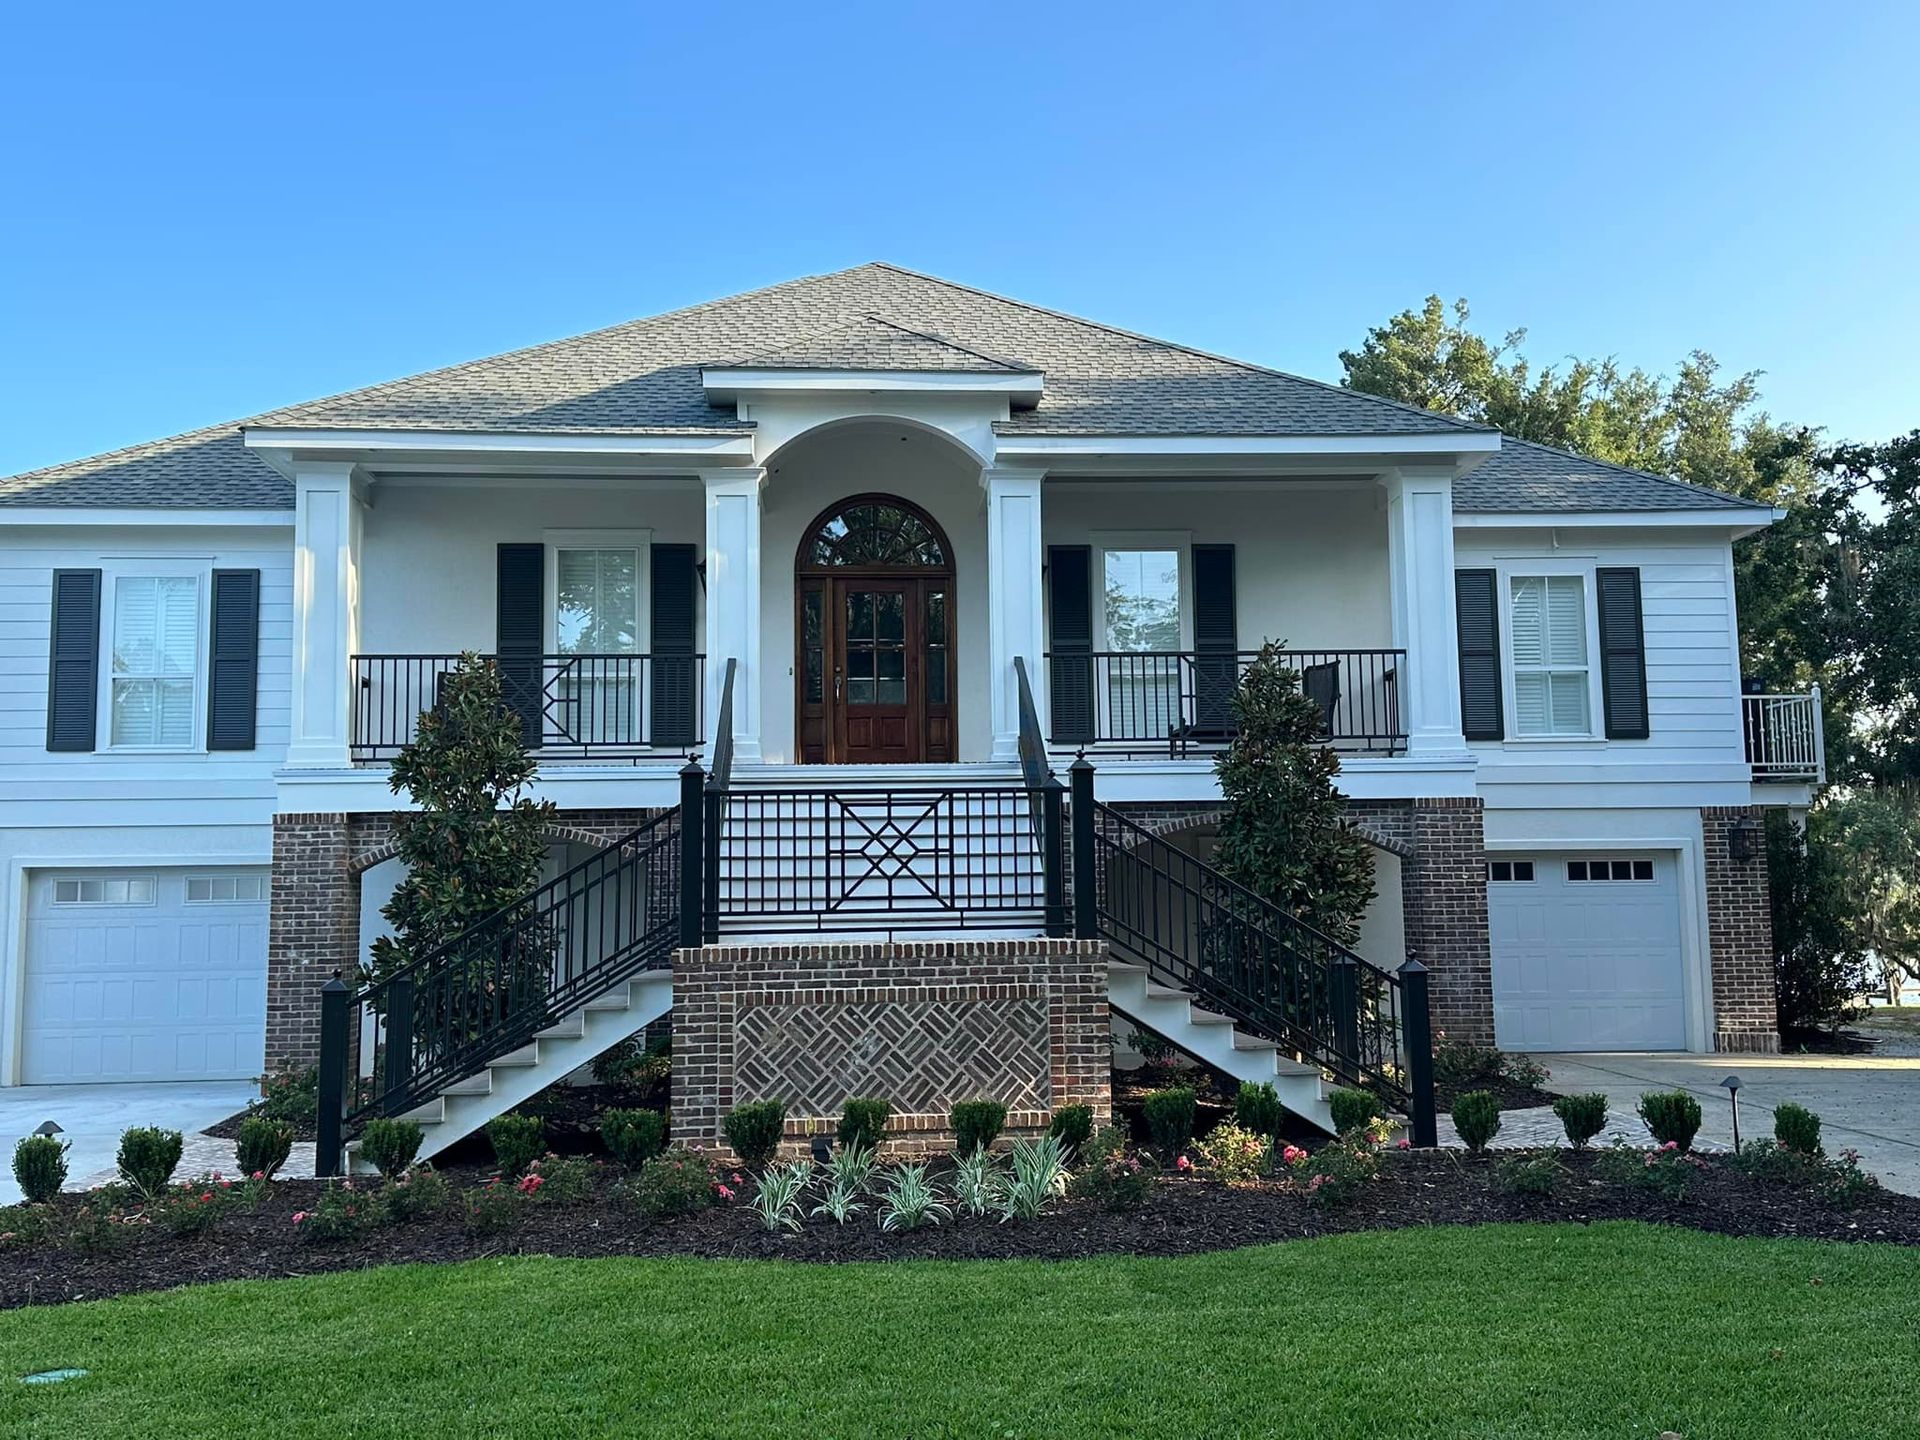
1196	929
720	776
1045	808
493	987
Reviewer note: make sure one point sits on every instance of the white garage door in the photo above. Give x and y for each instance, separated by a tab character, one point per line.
1586	952
145	975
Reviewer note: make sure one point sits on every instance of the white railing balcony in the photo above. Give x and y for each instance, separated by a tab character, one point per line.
1785	738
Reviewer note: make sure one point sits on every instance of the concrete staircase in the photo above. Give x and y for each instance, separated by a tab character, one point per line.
1178	1017
556	1052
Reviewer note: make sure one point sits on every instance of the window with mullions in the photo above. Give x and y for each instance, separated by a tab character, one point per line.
874	533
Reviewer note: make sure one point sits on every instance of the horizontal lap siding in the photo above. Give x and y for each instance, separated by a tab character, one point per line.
27	561
1693	671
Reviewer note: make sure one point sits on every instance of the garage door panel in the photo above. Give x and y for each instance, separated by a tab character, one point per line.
160	991
1587	965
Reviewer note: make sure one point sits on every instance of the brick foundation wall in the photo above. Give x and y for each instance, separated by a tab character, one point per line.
1443	894
921	1023
1740	933
313	930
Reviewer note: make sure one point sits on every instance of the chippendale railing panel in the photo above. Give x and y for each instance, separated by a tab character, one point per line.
878	858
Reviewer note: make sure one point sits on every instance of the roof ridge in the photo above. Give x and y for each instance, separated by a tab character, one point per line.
1696	488
1234	360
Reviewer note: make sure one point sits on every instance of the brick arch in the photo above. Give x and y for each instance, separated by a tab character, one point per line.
389	848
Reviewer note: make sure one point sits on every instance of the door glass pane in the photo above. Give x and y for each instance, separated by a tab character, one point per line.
936	647
892	616
813	668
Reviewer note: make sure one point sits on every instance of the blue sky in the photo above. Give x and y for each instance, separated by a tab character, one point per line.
206	211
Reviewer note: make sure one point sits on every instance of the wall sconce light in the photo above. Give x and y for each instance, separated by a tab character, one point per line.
1743	840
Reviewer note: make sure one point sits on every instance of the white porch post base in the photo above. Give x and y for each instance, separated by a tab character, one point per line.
326	605
733	604
1420	549
1015	617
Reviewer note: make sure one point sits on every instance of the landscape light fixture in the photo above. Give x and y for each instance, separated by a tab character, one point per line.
1732	1082
47	1127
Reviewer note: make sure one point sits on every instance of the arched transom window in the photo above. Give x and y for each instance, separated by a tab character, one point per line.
873	533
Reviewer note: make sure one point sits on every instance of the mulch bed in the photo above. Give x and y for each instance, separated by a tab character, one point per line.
1511	1094
1181	1217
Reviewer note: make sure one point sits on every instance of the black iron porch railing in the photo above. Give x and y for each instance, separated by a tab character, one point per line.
389	1046
1198	931
589	707
1178	702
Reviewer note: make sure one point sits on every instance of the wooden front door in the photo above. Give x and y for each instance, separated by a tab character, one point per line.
875	716
874	683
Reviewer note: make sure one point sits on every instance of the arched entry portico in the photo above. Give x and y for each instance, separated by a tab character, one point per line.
874	635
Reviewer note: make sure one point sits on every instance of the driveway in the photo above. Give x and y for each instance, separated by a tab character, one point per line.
1869	1103
92	1117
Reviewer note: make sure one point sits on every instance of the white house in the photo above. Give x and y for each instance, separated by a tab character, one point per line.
873	492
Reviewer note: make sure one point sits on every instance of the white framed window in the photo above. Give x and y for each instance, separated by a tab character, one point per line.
155	663
599	615
1550	655
226	889
104	890
1144	623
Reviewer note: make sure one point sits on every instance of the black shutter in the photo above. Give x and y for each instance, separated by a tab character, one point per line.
520	631
234	677
674	684
1070	643
1477	615
1216	639
73	674
1623	652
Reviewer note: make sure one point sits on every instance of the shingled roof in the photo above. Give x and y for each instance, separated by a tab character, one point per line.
1523	476
644	377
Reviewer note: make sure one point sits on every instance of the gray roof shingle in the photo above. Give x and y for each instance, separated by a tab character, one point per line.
1523	476
870	342
644	377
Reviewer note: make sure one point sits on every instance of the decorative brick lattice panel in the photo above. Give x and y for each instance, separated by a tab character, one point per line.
1746	1013
921	1054
921	1023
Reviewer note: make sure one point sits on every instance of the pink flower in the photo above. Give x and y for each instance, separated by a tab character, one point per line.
736	1178
1183	1163
299	1217
726	1193
1671	1145
531	1185
1316	1182
259	1174
207	1198
1405	1143
1293	1155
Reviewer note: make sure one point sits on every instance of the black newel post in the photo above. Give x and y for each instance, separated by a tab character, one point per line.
1086	898
329	1150
1053	844
399	1044
1416	1036
693	853
1344	995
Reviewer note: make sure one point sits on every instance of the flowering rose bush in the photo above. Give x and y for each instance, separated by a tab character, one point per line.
1109	1175
1236	1156
1336	1172
340	1212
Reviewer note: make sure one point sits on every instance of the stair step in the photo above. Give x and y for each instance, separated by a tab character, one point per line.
1253	1042
620	998
1162	992
572	1028
1282	1066
1207	1017
525	1055
1122	967
481	1084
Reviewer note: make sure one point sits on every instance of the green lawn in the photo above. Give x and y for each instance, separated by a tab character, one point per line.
1522	1331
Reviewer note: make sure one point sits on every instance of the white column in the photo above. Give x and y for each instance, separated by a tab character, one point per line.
1015	623
326	612
1420	550
733	602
